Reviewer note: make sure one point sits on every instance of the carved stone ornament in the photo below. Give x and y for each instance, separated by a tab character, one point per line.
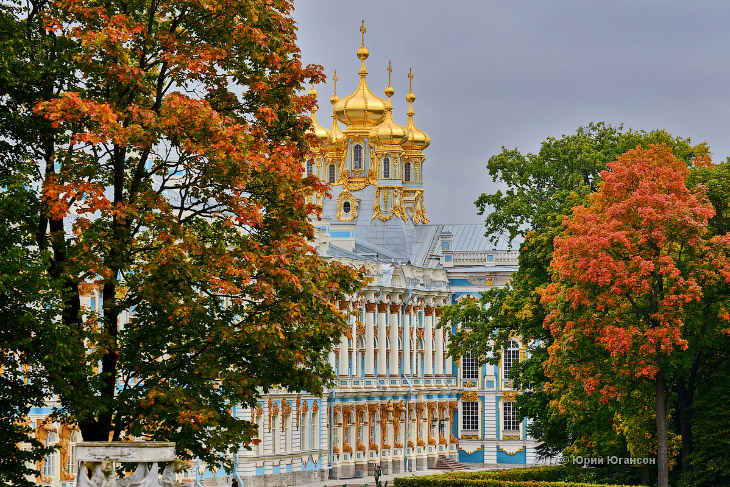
394	308
63	443
370	307
429	310
42	430
360	330
299	409
315	406
509	396
383	307
439	313
101	456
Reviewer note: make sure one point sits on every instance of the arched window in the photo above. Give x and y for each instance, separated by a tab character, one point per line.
511	356
357	157
346	207
310	168
72	465
332	174
386	168
50	469
407	171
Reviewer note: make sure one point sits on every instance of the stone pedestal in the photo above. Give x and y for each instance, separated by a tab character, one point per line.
100	456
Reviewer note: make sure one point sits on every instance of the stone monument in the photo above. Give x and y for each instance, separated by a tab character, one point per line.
100	456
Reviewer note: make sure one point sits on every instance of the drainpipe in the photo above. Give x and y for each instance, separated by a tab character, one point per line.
235	472
331	438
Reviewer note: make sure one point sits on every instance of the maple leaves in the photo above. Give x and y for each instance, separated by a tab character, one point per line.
167	173
628	271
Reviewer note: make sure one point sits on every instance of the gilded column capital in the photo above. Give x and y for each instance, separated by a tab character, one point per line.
383	307
395	308
370	307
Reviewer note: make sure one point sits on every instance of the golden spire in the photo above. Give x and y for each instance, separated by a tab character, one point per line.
388	132
361	109
319	131
415	139
363	53
337	138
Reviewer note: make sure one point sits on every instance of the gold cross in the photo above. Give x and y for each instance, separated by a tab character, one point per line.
410	79
390	70
363	30
334	78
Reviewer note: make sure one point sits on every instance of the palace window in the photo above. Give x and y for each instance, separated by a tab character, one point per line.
407	171
332	174
346	207
357	157
469	367
310	168
511	356
509	413
386	168
470	415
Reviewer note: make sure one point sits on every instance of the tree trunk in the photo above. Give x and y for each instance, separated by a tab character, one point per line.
662	431
684	404
644	472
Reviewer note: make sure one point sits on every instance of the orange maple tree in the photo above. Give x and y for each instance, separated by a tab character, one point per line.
628	273
168	174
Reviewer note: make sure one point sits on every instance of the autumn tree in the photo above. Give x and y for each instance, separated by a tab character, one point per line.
539	190
160	144
631	266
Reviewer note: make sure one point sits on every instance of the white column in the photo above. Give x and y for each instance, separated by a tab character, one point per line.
406	340
439	348
394	313
428	342
343	355
382	339
353	334
369	338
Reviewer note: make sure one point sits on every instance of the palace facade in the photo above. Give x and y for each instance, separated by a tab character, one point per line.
399	400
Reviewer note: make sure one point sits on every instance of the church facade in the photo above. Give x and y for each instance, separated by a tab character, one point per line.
399	400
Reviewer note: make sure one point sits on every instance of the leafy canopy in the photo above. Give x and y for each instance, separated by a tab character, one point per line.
161	143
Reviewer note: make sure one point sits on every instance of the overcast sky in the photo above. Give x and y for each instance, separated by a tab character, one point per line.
511	73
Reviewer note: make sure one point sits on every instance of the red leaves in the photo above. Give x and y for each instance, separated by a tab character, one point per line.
628	265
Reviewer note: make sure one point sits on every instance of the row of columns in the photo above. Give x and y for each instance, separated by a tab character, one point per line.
392	321
391	416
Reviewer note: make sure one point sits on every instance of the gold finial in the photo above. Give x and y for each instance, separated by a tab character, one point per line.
362	31
410	97
389	89
334	98
363	53
334	79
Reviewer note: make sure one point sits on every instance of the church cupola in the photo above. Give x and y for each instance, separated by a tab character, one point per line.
388	132
361	109
415	139
320	132
336	137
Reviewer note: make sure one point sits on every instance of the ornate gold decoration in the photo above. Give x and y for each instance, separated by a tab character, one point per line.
395	308
470	396
509	396
63	442
315	406
43	428
360	329
453	439
428	310
439	313
510	437
299	409
305	407
470	383
481	281
370	307
419	208
382	307
347	448
285	411
409	309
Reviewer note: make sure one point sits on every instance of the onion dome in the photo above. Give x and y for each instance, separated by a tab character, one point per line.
320	132
388	132
336	137
415	139
361	107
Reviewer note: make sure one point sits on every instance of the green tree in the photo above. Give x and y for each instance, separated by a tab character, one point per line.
162	144
541	190
633	263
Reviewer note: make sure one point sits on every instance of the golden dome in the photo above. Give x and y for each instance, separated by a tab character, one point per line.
336	137
320	132
388	132
361	107
415	139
